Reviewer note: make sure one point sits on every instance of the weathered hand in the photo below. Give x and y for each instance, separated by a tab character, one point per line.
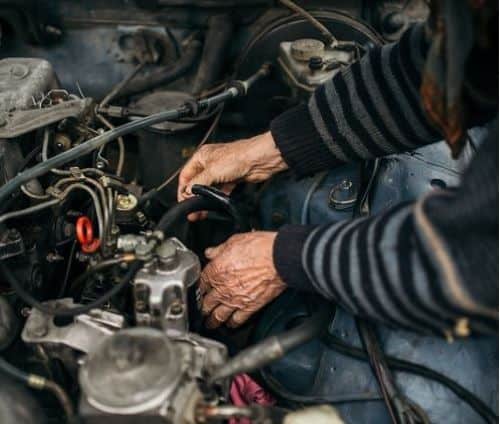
240	278
225	164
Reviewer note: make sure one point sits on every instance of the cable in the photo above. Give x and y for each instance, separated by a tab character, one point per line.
38	382
27	298
29	157
239	88
62	289
119	87
30	210
285	394
155	191
103	265
402	365
331	40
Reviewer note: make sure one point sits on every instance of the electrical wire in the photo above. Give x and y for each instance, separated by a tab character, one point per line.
53	202
119	87
62	289
27	298
402	365
29	210
156	190
277	389
101	266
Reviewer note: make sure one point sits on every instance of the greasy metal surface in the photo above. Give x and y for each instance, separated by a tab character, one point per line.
131	372
83	334
16	123
160	288
22	80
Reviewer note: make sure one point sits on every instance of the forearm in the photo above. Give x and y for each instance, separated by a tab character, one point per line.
371	109
379	268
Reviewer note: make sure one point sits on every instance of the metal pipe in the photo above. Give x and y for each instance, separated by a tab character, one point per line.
86	147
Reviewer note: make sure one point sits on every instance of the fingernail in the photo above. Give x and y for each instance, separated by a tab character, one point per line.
209	251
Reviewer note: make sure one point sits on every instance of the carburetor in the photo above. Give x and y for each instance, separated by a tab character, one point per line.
142	375
152	372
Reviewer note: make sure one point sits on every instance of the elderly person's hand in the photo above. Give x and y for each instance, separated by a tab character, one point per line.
240	278
225	164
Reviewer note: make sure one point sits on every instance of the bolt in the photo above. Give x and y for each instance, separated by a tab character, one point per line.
126	202
176	308
68	229
141	218
140	305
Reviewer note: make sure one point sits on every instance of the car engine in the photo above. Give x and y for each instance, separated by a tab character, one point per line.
101	104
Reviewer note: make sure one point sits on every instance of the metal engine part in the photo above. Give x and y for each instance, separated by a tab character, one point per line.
23	80
307	63
141	375
84	333
161	287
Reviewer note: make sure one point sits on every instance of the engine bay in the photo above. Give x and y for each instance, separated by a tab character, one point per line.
101	104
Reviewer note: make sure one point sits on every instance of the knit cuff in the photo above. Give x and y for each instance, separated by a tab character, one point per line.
300	143
287	255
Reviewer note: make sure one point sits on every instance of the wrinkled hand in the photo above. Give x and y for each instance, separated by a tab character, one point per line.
225	164
239	279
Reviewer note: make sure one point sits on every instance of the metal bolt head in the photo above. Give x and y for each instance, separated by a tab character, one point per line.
126	202
167	252
176	308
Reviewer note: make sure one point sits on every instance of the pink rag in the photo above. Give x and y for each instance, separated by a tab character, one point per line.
245	391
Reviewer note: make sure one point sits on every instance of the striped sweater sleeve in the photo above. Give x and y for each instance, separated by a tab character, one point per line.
430	266
371	109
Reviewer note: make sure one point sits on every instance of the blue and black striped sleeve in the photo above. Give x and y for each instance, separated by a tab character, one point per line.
429	266
370	109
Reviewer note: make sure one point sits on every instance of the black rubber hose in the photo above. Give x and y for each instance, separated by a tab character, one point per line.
406	366
225	203
274	347
217	40
182	209
27	298
207	199
164	75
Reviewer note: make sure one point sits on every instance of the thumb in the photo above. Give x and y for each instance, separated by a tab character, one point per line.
203	178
